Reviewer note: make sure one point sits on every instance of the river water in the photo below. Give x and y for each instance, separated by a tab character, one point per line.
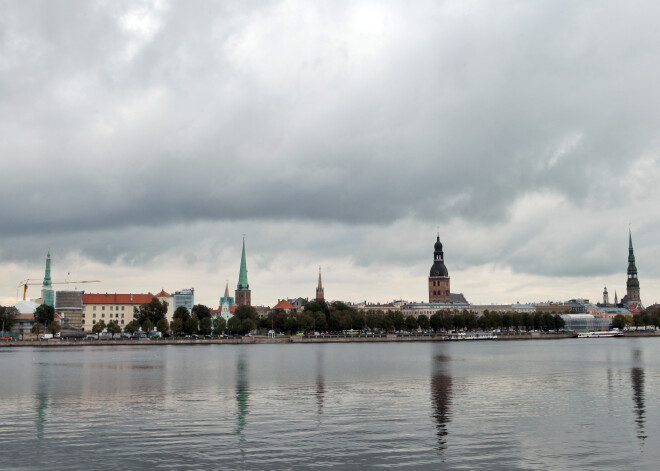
556	404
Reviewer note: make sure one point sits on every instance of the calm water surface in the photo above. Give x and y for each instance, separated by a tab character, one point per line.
562	404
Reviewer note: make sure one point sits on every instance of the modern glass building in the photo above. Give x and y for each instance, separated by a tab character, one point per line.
586	322
185	297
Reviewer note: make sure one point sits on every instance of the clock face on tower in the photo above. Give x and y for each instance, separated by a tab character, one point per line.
437	273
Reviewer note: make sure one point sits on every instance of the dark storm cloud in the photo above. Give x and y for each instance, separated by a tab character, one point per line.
118	116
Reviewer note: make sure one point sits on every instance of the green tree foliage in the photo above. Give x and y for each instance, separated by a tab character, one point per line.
98	327
305	321
181	313
291	324
397	319
247	325
424	322
470	320
44	314
176	326
200	311
8	317
507	320
190	326
246	312
619	322
358	321
163	326
320	322
559	322
317	306
205	326
38	328
373	318
411	323
219	325
113	328
387	324
132	327
147	326
153	311
54	327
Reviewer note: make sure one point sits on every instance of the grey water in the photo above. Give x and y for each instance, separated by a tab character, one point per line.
557	404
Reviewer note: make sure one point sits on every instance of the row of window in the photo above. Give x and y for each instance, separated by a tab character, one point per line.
110	309
94	322
438	293
103	315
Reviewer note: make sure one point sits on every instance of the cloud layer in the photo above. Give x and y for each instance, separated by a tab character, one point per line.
344	131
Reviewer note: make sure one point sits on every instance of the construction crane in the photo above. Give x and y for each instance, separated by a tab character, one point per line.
27	282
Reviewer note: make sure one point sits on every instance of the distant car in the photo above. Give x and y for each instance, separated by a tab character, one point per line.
5	338
207	337
194	336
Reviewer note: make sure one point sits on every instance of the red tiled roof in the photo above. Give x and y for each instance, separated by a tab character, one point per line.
162	294
107	298
232	309
284	304
215	311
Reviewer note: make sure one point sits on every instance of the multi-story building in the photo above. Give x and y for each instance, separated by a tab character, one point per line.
70	306
110	307
185	297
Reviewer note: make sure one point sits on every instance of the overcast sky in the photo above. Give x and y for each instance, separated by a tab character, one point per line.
141	140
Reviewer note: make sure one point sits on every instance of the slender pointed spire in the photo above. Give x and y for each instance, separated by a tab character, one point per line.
242	275
227	290
47	280
320	295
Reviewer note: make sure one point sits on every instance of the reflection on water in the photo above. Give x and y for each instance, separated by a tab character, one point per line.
42	398
242	396
441	398
492	405
637	381
320	384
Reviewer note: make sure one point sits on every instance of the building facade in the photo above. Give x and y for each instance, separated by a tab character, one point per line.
185	298
70	306
111	307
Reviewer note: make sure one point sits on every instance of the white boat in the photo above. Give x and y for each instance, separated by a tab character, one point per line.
470	336
603	333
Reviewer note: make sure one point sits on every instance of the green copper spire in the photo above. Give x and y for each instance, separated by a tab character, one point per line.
47	280
242	275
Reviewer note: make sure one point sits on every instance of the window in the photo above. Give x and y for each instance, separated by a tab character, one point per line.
122	322
122	308
94	315
83	315
111	308
102	308
103	315
83	321
93	322
94	308
122	316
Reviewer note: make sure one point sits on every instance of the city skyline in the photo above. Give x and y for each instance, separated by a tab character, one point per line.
141	140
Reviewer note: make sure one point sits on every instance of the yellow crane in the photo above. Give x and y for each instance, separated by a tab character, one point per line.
27	282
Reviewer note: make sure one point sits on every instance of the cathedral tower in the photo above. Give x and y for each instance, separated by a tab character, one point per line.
606	297
439	276
319	289
243	294
632	284
47	293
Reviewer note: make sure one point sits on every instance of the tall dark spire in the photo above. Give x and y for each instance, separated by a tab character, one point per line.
632	284
319	289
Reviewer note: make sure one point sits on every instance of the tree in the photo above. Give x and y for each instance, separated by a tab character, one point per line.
423	321
436	321
147	326
219	325
372	318
132	327
181	313
98	327
190	326
247	325
7	317
411	323
358	321
386	323
290	325
320	322
317	306
176	326
246	312
305	321
153	311
507	320
37	328
200	311
559	322
113	328
397	319
205	326
234	325
163	326
44	314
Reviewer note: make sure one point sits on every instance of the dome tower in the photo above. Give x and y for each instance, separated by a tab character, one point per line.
439	276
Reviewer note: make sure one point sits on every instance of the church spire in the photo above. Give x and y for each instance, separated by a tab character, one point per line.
243	294
632	285
319	288
242	274
47	280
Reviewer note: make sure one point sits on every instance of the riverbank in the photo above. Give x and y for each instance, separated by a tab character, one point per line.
293	339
